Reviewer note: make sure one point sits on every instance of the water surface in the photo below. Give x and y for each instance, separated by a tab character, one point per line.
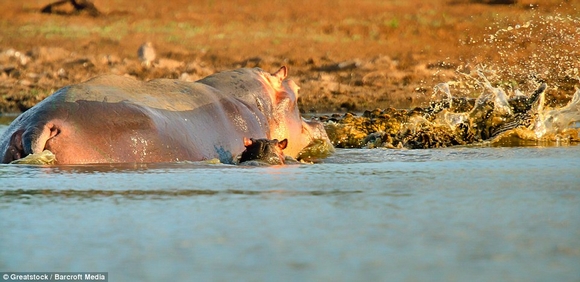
456	214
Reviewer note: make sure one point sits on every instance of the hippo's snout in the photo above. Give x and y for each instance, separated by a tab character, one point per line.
315	130
319	145
32	140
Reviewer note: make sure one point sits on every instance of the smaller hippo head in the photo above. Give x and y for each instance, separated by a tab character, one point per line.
264	150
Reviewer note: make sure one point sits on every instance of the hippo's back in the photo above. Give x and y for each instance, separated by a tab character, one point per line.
166	94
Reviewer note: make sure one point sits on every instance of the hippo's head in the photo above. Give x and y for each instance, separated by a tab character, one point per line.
287	122
264	150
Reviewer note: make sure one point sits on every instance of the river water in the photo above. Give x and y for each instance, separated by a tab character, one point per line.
455	214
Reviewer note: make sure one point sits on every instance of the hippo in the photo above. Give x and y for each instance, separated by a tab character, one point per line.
118	119
264	150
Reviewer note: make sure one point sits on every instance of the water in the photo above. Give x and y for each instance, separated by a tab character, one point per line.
456	214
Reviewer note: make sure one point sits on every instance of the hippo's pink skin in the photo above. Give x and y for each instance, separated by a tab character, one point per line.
115	119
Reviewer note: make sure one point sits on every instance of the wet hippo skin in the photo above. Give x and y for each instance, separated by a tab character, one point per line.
115	119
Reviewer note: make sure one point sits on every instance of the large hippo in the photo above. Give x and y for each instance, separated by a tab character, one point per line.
116	119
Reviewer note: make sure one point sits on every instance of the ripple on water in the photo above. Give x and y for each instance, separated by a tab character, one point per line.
411	213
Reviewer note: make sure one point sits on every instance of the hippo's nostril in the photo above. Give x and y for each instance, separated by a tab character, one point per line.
16	153
11	154
54	132
15	149
16	140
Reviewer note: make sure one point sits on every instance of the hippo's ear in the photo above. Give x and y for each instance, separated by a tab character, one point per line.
248	142
283	144
281	73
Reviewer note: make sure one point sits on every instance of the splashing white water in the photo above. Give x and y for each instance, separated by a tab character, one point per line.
557	120
514	58
495	94
544	48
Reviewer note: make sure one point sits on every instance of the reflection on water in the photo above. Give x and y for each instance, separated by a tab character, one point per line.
500	214
157	194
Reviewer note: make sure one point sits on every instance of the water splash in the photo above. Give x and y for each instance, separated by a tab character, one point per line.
520	57
556	121
513	86
493	118
542	48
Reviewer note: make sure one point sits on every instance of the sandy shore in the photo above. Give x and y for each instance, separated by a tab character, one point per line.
345	55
